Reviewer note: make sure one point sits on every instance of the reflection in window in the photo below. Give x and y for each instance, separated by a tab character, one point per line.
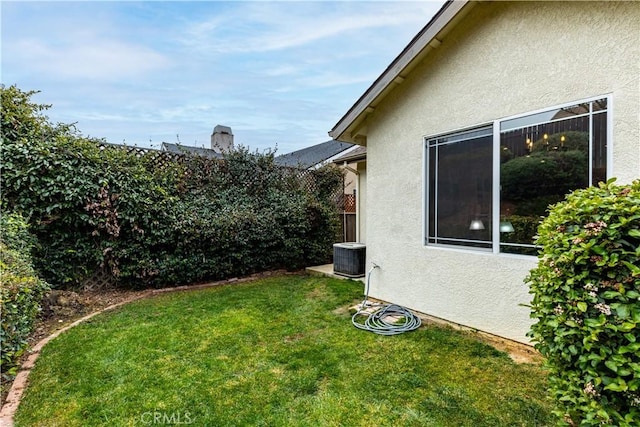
542	158
460	188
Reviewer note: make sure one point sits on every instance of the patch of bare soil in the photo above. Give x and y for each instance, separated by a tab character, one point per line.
60	308
520	353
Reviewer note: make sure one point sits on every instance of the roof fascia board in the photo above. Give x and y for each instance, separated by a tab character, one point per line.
332	158
424	41
355	158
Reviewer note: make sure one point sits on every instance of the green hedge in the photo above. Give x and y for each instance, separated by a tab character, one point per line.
21	291
146	221
586	301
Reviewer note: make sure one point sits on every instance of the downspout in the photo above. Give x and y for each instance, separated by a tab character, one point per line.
357	199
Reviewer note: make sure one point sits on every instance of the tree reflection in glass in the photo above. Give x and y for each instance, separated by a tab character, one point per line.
544	157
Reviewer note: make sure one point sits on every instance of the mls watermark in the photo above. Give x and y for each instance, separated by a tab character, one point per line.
167	418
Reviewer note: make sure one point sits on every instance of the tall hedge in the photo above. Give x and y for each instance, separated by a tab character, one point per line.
146	221
21	291
586	301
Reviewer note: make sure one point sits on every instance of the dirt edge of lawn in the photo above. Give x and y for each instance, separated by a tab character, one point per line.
517	351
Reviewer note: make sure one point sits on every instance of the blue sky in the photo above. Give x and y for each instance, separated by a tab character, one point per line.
279	73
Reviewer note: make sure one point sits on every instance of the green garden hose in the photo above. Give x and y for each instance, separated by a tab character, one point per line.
383	319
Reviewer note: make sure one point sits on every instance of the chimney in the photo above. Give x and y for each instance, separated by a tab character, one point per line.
222	139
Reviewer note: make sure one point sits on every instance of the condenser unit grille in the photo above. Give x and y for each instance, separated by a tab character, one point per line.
349	259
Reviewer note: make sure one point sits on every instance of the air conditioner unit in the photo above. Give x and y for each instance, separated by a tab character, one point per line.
349	259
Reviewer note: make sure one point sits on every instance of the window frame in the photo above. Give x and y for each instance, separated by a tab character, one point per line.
495	203
465	135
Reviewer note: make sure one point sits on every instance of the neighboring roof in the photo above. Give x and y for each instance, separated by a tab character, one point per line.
349	127
200	151
313	156
358	154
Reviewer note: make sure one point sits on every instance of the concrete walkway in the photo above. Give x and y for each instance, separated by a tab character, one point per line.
327	270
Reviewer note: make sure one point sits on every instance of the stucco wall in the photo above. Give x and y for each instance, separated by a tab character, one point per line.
362	197
350	179
503	59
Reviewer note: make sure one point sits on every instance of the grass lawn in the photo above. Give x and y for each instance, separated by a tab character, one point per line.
276	352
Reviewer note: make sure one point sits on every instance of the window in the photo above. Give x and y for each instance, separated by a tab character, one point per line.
541	157
460	188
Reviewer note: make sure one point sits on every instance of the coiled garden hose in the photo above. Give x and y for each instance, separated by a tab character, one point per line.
375	321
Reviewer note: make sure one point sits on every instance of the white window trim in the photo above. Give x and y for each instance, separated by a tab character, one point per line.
495	200
495	214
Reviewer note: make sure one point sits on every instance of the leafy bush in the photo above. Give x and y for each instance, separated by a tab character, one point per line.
151	219
586	300
524	227
544	173
21	291
14	233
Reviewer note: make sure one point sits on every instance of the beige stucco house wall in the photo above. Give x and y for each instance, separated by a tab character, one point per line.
501	59
362	202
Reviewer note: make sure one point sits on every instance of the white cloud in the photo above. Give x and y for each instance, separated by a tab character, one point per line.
276	72
97	59
260	27
282	70
331	79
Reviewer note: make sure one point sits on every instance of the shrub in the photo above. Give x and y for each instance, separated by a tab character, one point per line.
21	291
109	211
586	300
562	171
151	219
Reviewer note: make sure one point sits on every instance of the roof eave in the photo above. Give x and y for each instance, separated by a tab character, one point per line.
351	127
351	159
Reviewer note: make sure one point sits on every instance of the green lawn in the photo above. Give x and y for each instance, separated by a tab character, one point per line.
275	352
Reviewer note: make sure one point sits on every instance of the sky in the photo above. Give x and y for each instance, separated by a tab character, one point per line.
279	73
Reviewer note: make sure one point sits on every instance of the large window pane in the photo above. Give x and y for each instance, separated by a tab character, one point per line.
460	189
599	148
543	156
543	161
